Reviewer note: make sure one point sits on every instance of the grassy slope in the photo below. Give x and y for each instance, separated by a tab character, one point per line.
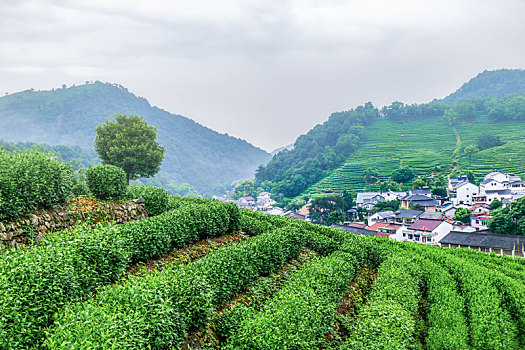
423	145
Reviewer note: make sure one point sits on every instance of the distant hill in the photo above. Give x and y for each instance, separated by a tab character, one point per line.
194	154
277	150
496	83
353	150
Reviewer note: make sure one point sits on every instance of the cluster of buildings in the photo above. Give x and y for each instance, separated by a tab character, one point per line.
263	203
434	222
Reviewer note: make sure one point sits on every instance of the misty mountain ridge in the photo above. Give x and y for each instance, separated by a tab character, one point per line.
194	153
493	83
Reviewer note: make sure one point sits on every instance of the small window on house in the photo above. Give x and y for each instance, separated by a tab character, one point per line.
429	239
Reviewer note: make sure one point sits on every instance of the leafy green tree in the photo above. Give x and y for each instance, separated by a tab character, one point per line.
509	220
387	205
388	185
441	192
402	175
487	141
416	206
295	204
418	183
496	204
323	205
371	175
469	151
463	215
471	177
130	144
348	200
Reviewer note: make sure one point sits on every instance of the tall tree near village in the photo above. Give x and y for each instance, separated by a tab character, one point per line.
131	144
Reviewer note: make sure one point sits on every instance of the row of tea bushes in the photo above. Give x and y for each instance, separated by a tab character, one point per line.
301	312
491	326
66	267
160	309
32	180
387	321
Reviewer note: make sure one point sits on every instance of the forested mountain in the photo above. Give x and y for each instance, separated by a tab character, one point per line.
194	154
360	149
496	83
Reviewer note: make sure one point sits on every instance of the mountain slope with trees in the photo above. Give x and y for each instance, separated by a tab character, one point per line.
194	154
471	132
496	83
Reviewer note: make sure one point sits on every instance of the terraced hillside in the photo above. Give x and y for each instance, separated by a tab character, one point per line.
189	279
424	144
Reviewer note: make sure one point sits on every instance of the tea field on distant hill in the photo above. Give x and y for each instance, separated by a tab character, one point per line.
424	144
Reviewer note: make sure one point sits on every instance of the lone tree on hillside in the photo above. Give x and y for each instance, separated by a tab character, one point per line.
130	144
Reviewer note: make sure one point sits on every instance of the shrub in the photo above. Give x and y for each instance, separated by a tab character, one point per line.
32	180
301	312
155	198
67	266
80	188
158	310
106	181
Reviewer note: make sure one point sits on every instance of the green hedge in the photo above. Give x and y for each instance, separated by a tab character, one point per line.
155	198
32	180
66	267
106	181
173	301
491	325
302	312
387	321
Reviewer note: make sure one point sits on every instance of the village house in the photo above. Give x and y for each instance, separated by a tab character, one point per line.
461	191
480	222
430	204
264	201
480	208
425	191
369	199
501	186
427	231
405	216
380	216
386	230
247	201
485	241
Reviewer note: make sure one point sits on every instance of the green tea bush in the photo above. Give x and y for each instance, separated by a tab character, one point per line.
387	321
39	280
66	267
106	181
447	328
32	180
302	312
80	188
172	301
155	198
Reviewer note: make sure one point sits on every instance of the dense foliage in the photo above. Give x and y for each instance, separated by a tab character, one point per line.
321	149
38	280
497	83
32	180
155	198
509	220
106	181
76	156
194	154
131	144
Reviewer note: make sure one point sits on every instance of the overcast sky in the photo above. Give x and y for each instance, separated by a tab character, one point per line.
264	70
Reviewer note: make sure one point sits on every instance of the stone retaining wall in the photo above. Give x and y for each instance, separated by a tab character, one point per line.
16	233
